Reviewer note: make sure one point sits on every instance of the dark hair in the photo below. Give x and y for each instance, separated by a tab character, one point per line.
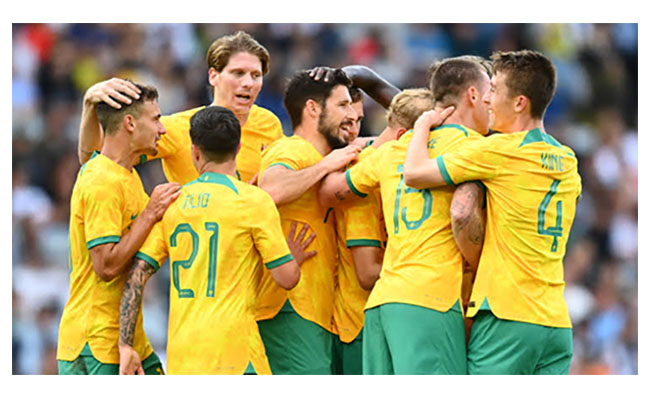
452	76
302	87
528	73
110	118
355	94
224	47
216	132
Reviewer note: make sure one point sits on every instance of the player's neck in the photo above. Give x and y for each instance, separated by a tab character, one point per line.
525	123
311	134
241	117
117	148
228	168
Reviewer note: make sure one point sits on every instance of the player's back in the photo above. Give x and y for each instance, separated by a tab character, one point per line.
211	233
422	264
532	194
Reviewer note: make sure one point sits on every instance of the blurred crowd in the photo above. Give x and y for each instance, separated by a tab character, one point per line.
594	111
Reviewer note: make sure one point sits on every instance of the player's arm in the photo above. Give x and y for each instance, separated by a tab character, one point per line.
286	185
468	221
130	361
113	92
111	259
419	170
366	79
367	264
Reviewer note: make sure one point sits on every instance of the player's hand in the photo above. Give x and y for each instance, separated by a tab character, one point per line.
130	363
114	92
361	142
161	197
322	72
433	118
298	244
339	158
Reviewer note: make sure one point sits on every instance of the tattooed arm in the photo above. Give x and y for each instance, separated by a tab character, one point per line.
130	361
468	221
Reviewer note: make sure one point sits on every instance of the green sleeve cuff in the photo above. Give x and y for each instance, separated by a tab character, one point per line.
103	240
443	171
280	261
351	185
280	164
363	242
148	259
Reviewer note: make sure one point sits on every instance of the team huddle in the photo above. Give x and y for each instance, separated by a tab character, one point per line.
435	247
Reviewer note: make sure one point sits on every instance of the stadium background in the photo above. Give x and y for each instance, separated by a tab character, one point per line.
595	111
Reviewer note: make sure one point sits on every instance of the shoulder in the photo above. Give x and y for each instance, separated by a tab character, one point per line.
264	122
182	117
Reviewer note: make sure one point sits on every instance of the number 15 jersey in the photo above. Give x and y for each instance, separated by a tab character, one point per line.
532	188
422	264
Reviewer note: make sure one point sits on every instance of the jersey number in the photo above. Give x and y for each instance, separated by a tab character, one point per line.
556	230
426	209
186	264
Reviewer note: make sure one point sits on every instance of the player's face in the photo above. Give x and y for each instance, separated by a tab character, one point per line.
148	129
356	124
337	118
239	83
500	104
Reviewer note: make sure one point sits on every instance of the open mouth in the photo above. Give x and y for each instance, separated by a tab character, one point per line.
243	97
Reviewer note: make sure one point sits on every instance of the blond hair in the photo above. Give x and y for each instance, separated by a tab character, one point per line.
407	106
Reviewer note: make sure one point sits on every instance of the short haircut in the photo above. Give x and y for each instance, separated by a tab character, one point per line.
450	77
408	105
529	73
355	94
215	130
110	118
303	87
224	47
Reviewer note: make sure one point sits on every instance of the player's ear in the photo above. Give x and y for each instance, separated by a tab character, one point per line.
128	122
312	108
400	132
213	76
195	153
473	95
521	102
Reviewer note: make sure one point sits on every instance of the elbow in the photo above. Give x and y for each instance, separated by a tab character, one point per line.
367	283
104	272
292	280
412	179
460	216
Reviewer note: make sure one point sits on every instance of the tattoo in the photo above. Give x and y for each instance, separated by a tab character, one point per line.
132	299
468	202
341	195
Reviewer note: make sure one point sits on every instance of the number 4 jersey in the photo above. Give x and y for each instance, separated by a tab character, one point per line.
422	265
216	235
532	188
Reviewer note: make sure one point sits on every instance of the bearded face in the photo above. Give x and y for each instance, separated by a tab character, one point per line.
335	131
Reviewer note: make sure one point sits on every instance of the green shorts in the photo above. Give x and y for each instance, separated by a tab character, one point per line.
296	346
503	347
347	357
87	364
408	339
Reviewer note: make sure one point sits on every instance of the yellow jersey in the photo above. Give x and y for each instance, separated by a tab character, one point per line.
216	235
532	188
175	147
422	264
106	199
358	223
313	297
